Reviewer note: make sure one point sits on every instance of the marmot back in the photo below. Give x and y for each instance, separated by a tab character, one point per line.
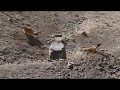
28	31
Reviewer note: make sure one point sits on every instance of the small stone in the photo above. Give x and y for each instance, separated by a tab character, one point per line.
36	17
77	15
118	57
70	65
42	54
1	76
61	59
10	20
98	67
52	36
110	67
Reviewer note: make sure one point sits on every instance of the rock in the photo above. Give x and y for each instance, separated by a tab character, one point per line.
2	48
70	65
57	49
1	76
56	46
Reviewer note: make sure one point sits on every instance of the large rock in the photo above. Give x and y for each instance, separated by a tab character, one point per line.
57	50
57	46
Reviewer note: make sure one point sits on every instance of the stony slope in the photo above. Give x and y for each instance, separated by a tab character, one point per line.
19	59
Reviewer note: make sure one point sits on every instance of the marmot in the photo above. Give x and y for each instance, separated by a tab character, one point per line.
28	31
92	49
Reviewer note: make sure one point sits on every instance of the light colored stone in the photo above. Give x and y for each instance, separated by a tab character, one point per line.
56	46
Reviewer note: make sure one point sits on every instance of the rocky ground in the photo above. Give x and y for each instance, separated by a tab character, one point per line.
21	60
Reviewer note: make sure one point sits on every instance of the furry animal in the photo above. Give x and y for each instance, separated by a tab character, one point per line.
92	49
28	31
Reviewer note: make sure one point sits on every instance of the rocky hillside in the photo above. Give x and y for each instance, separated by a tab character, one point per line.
22	60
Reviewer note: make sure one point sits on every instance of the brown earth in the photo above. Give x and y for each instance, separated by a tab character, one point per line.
23	58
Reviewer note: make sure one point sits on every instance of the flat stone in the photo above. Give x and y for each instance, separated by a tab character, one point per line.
57	46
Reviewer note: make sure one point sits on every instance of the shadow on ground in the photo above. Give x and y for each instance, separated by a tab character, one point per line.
34	42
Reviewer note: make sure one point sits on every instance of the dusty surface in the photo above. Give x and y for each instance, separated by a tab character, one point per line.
22	59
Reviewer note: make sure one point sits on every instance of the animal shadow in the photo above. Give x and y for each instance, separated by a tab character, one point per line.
34	42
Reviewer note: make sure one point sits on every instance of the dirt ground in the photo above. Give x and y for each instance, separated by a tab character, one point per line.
20	59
